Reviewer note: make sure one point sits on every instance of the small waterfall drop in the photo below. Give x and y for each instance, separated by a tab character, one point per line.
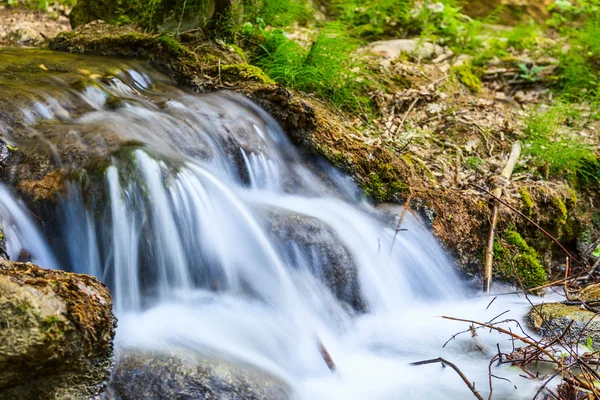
23	239
216	235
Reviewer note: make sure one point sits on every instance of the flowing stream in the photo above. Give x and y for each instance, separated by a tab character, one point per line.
215	234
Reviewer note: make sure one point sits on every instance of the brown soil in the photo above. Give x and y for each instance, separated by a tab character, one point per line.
25	27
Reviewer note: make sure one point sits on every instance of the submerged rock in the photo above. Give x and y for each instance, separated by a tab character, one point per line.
330	260
552	319
145	375
56	332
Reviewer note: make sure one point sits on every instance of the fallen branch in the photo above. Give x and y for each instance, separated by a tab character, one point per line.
497	193
408	112
326	356
455	368
523	339
400	219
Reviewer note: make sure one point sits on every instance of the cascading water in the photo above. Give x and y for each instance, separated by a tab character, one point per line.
215	235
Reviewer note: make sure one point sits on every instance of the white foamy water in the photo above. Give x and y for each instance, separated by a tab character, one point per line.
216	235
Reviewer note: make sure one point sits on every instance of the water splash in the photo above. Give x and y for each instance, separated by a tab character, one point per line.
215	234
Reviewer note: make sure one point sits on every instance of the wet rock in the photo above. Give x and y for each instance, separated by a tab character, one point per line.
389	50
140	375
551	320
56	332
331	261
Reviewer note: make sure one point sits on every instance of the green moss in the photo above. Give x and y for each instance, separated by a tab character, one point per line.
474	163
562	212
515	239
22	308
383	184
173	46
515	255
466	74
528	203
238	50
54	328
572	197
237	72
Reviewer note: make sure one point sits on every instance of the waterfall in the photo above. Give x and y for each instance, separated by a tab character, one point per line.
215	234
23	239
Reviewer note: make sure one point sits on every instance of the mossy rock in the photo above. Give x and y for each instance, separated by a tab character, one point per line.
56	333
527	203
199	64
180	375
514	255
467	74
552	319
237	72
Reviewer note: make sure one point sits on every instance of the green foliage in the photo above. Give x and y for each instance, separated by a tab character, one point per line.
579	64
514	255
589	343
374	19
41	4
499	43
555	149
523	36
276	13
474	163
444	22
328	66
529	74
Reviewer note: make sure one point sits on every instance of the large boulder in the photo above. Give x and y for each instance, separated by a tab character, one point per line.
146	375
56	333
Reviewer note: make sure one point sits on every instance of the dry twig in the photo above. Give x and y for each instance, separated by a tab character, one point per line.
455	368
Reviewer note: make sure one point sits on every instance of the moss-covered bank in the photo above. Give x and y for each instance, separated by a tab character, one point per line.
384	172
